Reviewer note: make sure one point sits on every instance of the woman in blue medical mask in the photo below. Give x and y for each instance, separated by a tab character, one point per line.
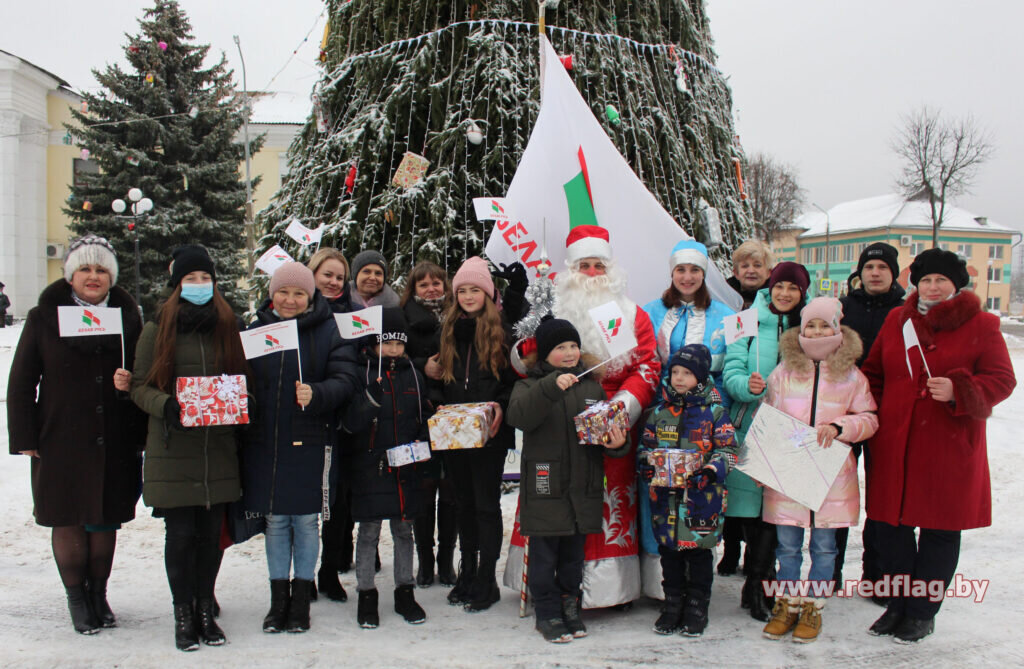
189	474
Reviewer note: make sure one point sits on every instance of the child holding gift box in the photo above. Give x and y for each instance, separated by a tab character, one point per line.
289	465
686	523
562	484
386	412
817	382
474	360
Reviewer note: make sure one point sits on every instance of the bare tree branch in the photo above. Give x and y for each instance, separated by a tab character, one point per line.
774	193
940	159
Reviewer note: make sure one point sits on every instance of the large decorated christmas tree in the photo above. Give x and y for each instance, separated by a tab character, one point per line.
167	127
425	105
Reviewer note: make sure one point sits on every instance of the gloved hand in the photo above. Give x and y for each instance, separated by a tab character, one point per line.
375	391
702	478
172	414
515	274
645	472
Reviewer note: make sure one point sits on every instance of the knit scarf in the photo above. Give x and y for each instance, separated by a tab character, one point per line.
434	306
924	305
820	348
82	303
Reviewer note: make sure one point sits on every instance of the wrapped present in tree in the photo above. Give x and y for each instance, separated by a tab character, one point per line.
594	423
212	400
407	454
458	426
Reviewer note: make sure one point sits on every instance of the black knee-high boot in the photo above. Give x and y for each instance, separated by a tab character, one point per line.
761	569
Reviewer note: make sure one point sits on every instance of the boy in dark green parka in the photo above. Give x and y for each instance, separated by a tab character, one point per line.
561	493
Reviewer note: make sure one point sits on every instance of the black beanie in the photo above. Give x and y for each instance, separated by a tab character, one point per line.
880	251
393	325
551	333
937	261
694	357
190	258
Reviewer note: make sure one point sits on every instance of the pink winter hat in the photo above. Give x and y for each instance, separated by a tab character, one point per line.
293	274
828	309
474	272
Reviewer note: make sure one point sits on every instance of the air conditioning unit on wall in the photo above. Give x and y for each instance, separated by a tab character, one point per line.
54	251
906	240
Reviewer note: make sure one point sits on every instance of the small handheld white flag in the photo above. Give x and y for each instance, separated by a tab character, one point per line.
910	340
492	209
303	235
91	321
283	336
740	325
272	259
356	324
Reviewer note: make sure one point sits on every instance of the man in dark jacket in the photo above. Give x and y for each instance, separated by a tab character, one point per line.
874	292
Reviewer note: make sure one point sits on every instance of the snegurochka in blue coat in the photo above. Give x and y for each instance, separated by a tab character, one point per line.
686	314
288	459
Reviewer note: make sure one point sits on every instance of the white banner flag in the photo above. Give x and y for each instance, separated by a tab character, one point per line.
361	323
910	340
272	259
283	336
742	324
493	209
609	320
568	146
87	321
303	235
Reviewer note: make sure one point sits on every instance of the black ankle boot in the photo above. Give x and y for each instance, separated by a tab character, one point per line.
206	623
98	600
330	584
298	607
185	636
366	612
671	615
82	616
571	616
484	591
695	616
425	572
406	606
276	619
459	595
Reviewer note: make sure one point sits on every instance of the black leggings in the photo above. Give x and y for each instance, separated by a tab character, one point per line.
192	551
476	475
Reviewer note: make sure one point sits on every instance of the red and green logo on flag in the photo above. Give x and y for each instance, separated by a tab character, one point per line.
90	319
360	323
613	326
272	341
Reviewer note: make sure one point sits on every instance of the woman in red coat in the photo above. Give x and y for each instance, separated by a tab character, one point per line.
929	464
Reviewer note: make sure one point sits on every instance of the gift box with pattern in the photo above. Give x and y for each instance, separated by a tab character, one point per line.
459	426
593	424
406	454
212	400
672	466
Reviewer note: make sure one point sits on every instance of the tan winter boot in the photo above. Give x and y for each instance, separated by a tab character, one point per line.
784	617
809	625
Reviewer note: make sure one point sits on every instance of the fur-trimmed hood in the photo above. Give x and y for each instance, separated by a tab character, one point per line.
947	315
837	364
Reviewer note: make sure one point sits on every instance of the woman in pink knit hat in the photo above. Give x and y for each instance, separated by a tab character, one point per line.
474	359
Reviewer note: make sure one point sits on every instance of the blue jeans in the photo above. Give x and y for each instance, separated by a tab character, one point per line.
790	553
292	537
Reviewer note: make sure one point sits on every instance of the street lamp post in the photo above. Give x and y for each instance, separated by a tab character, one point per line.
828	231
250	233
141	206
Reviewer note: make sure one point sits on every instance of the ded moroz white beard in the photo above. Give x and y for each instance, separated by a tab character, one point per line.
577	293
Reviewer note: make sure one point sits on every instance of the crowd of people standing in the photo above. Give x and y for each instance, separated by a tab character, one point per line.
598	532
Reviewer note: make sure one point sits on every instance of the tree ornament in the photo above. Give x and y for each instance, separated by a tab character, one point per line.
613	114
389	216
321	117
411	170
540	295
566	62
350	178
66	139
739	177
132	48
474	134
162	45
85	107
133	161
131	226
712	221
149	77
683	82
87	206
85	154
193	112
184	181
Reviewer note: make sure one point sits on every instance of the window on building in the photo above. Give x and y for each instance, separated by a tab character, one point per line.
807	256
944	246
964	250
81	167
994	303
995	251
995	274
915	248
848	252
819	254
833	253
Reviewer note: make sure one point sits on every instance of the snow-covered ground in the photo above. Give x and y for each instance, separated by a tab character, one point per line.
35	630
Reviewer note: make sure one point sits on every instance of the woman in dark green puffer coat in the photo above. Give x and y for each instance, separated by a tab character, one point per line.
189	475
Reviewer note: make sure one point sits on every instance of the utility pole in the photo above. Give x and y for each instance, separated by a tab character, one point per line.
250	223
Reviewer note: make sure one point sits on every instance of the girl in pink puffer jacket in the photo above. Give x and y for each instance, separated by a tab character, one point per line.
817	382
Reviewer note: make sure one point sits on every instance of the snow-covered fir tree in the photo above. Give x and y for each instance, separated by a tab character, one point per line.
457	84
167	126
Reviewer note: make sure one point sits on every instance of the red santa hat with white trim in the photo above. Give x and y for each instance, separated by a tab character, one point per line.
587	241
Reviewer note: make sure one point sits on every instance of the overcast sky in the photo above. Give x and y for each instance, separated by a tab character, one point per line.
819	84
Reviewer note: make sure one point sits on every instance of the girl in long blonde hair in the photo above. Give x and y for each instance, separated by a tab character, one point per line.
473	357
